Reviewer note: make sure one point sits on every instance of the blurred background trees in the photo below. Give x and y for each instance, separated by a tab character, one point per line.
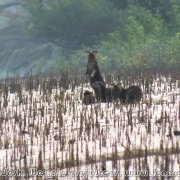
127	34
71	24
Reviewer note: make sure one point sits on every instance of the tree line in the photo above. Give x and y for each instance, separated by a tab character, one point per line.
128	34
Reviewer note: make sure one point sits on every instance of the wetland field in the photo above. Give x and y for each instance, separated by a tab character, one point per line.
47	132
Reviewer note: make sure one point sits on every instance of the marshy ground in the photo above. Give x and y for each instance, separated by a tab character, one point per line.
44	125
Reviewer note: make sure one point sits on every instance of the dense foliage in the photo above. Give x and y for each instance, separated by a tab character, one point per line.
127	34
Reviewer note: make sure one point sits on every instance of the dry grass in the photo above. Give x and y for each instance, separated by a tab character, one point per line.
44	124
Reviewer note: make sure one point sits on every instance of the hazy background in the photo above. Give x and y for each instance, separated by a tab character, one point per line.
53	35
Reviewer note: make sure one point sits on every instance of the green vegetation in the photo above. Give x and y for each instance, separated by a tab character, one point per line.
127	34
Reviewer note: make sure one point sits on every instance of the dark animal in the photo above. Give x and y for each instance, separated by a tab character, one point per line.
132	94
113	93
96	80
109	97
88	98
119	93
